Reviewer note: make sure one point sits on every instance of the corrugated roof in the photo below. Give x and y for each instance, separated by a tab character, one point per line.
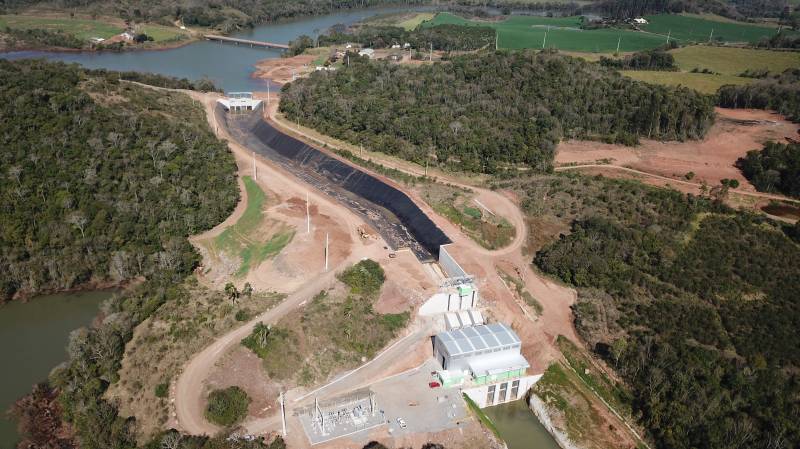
477	338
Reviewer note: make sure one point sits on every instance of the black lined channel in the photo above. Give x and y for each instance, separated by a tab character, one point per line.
391	212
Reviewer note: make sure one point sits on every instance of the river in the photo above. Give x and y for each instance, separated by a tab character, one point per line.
519	427
33	338
228	66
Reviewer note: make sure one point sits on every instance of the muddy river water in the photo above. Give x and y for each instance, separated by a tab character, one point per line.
33	340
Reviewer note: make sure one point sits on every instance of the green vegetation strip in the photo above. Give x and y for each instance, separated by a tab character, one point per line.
241	238
481	416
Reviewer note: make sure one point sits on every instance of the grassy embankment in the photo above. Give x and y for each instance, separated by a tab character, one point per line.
458	206
519	289
87	28
335	331
687	29
253	238
727	63
162	344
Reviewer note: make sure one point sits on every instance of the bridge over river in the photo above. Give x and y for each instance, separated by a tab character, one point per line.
252	43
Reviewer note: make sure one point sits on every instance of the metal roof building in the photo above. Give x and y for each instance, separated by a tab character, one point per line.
489	352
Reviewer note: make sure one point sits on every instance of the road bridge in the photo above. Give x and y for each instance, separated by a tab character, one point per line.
252	43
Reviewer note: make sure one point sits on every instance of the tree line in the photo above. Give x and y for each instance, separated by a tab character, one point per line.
774	168
440	37
693	304
485	112
780	93
656	59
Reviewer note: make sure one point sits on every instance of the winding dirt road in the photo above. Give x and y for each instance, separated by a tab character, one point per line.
188	396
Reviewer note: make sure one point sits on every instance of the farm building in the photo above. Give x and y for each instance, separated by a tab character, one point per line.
485	360
368	52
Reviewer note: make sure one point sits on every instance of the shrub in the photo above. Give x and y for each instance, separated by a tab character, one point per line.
364	278
227	407
162	390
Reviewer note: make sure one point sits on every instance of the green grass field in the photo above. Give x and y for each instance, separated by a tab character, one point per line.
734	61
81	28
413	22
161	33
243	239
705	83
695	29
86	29
563	33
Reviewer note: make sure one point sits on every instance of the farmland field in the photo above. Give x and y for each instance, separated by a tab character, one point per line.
734	61
81	28
702	82
86	29
414	21
696	29
563	33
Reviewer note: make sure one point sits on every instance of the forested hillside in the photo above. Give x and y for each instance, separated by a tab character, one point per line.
775	168
780	93
693	304
101	180
482	112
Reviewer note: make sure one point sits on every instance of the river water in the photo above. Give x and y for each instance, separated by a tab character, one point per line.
519	427
229	66
33	338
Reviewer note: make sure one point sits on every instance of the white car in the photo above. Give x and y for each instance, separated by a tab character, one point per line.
402	423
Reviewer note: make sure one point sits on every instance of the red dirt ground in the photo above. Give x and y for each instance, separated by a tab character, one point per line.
711	159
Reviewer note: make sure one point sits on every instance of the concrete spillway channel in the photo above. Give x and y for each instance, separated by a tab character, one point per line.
387	209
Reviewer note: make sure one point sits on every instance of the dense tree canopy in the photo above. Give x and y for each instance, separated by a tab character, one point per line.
775	168
100	180
780	93
482	112
694	305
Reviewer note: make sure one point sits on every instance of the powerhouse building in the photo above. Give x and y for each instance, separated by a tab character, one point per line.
485	361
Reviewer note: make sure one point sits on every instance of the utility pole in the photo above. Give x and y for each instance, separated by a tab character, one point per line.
308	217
711	36
326	251
618	41
431	57
668	35
361	155
283	413
544	41
255	171
268	93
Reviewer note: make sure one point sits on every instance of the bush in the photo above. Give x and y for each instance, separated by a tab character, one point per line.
162	390
364	278
227	407
242	315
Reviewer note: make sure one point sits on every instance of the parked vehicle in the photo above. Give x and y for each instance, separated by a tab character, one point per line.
434	384
402	423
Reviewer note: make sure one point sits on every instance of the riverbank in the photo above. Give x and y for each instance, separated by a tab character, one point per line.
33	336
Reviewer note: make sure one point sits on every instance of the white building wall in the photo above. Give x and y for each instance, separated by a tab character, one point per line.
449	302
480	394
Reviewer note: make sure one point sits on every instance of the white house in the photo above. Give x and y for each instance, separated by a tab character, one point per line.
640	21
368	52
